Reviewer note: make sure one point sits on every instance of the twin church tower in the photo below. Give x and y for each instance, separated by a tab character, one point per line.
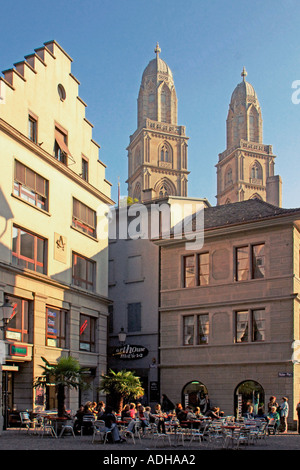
157	152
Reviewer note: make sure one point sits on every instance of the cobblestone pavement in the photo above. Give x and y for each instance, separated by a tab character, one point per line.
15	439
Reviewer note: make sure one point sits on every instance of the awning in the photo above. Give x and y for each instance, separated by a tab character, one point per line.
62	145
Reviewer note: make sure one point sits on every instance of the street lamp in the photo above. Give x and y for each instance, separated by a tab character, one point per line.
7	309
122	336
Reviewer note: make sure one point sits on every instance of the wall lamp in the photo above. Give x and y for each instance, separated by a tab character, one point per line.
122	336
7	309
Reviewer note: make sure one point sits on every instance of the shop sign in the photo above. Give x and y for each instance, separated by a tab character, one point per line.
16	350
130	351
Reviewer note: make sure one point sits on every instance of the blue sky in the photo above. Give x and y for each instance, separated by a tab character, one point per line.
206	43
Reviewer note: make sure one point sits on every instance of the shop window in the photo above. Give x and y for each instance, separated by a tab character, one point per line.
18	327
87	332
83	272
30	186
195	329
56	327
250	326
84	218
29	250
250	262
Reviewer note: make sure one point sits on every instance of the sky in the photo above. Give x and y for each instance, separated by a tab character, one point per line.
205	43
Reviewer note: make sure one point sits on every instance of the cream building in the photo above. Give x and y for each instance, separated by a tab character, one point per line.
157	152
245	170
53	256
229	312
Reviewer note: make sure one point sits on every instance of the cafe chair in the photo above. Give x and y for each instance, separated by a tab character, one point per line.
47	428
26	421
68	428
99	429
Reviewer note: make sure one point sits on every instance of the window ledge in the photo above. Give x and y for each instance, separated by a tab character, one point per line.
85	234
31	205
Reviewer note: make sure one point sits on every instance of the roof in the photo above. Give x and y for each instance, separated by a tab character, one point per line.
241	212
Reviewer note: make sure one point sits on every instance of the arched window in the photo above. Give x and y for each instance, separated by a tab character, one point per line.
164	188
194	394
228	176
165	154
248	393
137	192
256	171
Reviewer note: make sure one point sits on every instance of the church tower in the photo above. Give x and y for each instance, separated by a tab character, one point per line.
157	152
245	170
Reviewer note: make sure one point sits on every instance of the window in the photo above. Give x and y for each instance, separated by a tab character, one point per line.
18	327
87	333
83	272
56	327
250	262
84	168
28	250
84	218
196	270
203	269
195	329
61	150
32	128
30	186
134	312
250	326
189	271
165	154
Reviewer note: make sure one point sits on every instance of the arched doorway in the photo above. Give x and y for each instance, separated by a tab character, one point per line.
192	393
248	393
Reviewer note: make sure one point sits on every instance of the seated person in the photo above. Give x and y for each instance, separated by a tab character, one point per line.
110	424
214	413
160	419
273	414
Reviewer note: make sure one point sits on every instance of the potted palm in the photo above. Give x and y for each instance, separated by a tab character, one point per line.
119	386
65	374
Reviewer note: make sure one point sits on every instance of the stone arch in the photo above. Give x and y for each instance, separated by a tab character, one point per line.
137	193
164	188
165	154
256	171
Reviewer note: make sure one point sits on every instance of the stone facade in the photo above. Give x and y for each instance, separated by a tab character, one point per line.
202	336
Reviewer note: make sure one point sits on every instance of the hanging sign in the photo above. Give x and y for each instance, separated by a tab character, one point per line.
130	351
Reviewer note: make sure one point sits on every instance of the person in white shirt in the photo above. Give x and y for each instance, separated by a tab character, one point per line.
284	412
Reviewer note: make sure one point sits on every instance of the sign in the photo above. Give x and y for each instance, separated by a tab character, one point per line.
130	351
285	374
154	391
16	350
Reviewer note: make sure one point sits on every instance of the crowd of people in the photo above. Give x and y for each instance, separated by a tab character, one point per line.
167	410
278	413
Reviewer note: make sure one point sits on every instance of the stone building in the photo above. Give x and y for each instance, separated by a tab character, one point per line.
245	169
229	312
53	258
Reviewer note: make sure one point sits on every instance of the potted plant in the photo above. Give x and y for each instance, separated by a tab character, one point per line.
119	386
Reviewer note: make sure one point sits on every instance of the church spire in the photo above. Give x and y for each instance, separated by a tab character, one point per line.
157	50
244	74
